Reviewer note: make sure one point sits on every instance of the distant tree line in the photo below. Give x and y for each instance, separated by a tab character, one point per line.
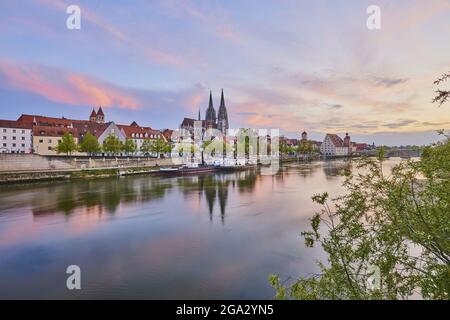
112	146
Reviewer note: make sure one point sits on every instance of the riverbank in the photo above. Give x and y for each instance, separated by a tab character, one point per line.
35	176
17	168
97	173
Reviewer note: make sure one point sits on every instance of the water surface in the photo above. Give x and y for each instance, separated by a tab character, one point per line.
208	236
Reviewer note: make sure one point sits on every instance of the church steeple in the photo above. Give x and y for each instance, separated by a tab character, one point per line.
222	101
210	113
210	100
222	117
199	115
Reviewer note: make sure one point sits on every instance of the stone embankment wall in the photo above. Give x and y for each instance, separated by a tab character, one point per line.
30	167
36	163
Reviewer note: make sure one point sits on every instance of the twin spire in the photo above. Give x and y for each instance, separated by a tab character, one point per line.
221	121
98	116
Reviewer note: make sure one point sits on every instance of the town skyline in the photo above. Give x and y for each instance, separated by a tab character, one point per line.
159	66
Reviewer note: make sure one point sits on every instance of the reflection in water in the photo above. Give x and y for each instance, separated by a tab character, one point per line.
214	188
102	195
214	236
107	195
337	168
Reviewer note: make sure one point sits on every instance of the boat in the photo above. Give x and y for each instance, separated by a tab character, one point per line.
168	169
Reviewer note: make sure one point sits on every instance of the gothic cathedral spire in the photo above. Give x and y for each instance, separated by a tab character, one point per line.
222	117
210	113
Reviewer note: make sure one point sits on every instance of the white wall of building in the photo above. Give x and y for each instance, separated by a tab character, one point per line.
112	130
327	148
15	140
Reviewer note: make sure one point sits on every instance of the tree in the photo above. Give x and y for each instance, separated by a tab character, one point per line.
129	147
305	147
112	145
442	95
146	146
67	144
90	144
374	228
159	146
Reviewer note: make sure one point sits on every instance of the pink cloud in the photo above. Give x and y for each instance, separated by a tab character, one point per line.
65	87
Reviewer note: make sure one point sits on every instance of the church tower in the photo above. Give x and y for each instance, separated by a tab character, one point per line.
347	142
210	114
100	116
93	116
222	117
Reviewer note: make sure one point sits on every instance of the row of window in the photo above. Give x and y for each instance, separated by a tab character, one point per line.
12	151
13	145
49	140
133	135
146	135
13	137
13	131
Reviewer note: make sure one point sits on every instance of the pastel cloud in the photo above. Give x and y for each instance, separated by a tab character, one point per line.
291	65
64	86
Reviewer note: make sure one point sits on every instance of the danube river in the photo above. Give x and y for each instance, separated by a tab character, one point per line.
208	236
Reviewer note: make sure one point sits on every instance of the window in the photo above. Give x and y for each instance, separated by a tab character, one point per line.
14	130
23	138
23	131
4	145
23	145
49	148
14	138
4	130
49	140
13	144
4	137
41	141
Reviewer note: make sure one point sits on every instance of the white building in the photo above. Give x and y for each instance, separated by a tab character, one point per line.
15	137
140	134
333	145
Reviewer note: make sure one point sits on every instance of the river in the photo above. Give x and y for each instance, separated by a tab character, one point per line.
215	236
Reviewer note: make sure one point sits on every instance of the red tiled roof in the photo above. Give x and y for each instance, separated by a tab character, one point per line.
130	130
167	133
189	122
47	131
40	120
361	146
336	140
15	124
94	128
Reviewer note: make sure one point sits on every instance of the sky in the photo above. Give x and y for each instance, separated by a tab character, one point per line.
288	64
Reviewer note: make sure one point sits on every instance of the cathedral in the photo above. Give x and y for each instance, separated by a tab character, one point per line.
212	120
